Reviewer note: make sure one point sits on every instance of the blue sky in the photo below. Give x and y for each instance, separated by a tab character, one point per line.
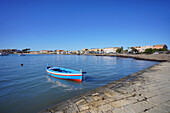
78	24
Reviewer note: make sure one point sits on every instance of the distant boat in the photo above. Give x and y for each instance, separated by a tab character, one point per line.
63	73
4	54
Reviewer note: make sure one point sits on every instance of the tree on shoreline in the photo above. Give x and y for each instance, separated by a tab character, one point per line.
151	51
148	51
25	50
120	50
134	50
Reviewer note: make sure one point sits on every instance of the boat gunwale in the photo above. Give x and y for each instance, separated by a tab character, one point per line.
64	74
73	72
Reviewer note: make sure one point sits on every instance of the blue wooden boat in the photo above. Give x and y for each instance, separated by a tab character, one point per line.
63	73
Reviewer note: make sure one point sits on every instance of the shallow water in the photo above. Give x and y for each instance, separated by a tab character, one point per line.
28	88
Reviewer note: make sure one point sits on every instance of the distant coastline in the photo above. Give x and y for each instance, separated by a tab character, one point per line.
149	52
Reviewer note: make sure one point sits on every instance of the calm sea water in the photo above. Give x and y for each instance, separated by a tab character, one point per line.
28	88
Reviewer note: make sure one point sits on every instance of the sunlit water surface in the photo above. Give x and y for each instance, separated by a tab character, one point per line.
28	88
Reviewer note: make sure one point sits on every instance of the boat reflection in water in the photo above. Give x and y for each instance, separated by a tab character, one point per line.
65	84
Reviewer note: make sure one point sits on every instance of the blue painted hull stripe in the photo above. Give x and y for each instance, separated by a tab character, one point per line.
66	77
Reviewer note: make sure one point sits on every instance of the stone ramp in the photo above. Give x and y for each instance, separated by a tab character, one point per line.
147	91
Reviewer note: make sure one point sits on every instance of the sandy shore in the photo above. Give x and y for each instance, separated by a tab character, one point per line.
147	91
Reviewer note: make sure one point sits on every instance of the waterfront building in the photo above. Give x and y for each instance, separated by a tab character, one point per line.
100	51
84	51
10	51
110	49
59	51
73	52
66	52
69	52
164	46
95	51
92	50
143	48
45	51
77	52
34	52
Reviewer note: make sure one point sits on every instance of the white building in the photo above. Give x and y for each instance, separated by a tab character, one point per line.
143	48
110	49
45	51
59	51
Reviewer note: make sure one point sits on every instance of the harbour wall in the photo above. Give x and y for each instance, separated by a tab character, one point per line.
152	57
